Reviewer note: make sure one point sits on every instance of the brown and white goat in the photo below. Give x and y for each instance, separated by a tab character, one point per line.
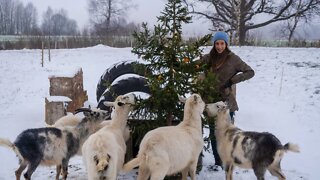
172	149
52	146
246	149
104	151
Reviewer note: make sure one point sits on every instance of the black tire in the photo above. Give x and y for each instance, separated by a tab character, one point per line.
124	86
116	70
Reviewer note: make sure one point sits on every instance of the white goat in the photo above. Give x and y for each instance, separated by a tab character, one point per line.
53	146
259	151
67	120
72	120
104	151
126	132
168	150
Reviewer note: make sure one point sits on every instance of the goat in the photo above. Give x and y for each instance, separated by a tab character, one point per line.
245	149
168	150
68	120
126	132
73	120
53	146
104	151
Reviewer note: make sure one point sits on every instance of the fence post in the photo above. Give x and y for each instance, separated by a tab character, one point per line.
281	81
42	45
66	43
49	55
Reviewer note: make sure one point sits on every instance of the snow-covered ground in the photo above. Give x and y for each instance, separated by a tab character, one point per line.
283	98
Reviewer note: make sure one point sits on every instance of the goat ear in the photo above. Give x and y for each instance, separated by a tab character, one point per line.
182	99
108	103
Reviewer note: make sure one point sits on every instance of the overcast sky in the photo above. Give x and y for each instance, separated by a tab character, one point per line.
148	10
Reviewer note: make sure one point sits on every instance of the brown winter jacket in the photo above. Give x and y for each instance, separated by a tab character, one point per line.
231	67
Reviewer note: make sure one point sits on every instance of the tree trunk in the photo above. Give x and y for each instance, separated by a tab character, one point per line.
169	119
292	29
242	34
242	24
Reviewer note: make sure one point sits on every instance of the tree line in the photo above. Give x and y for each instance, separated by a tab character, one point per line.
15	18
19	19
108	18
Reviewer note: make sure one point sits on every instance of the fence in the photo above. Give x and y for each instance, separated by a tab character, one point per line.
62	42
65	42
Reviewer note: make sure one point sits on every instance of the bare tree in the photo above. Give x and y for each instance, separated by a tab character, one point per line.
17	19
289	27
58	23
7	17
105	13
18	15
47	24
240	16
30	15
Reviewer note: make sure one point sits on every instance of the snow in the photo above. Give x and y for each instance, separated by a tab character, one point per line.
282	98
58	99
66	74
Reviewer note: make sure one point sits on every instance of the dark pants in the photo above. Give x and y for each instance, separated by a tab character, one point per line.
213	139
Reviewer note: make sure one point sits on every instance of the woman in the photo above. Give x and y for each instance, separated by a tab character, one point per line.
230	70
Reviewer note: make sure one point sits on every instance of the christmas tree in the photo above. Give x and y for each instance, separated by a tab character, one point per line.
171	61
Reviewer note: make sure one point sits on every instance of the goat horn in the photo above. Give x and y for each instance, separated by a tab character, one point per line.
82	110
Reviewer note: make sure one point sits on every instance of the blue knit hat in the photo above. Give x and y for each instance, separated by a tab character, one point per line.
220	35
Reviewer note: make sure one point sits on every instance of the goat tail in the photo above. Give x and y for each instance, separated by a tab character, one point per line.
291	147
10	145
131	164
102	163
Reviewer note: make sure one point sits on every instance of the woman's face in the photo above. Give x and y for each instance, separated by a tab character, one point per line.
220	46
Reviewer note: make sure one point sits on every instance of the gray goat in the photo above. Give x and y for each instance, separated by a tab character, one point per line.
245	149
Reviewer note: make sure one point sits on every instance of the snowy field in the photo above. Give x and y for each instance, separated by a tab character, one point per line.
283	98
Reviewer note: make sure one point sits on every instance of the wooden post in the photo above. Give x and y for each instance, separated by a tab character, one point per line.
49	55
42	54
281	81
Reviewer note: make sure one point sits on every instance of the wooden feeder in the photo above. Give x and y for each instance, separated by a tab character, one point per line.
68	87
55	108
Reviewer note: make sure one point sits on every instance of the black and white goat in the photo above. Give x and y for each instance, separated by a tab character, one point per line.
53	146
245	149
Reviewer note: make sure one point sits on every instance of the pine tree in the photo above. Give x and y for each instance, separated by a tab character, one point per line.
171	60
